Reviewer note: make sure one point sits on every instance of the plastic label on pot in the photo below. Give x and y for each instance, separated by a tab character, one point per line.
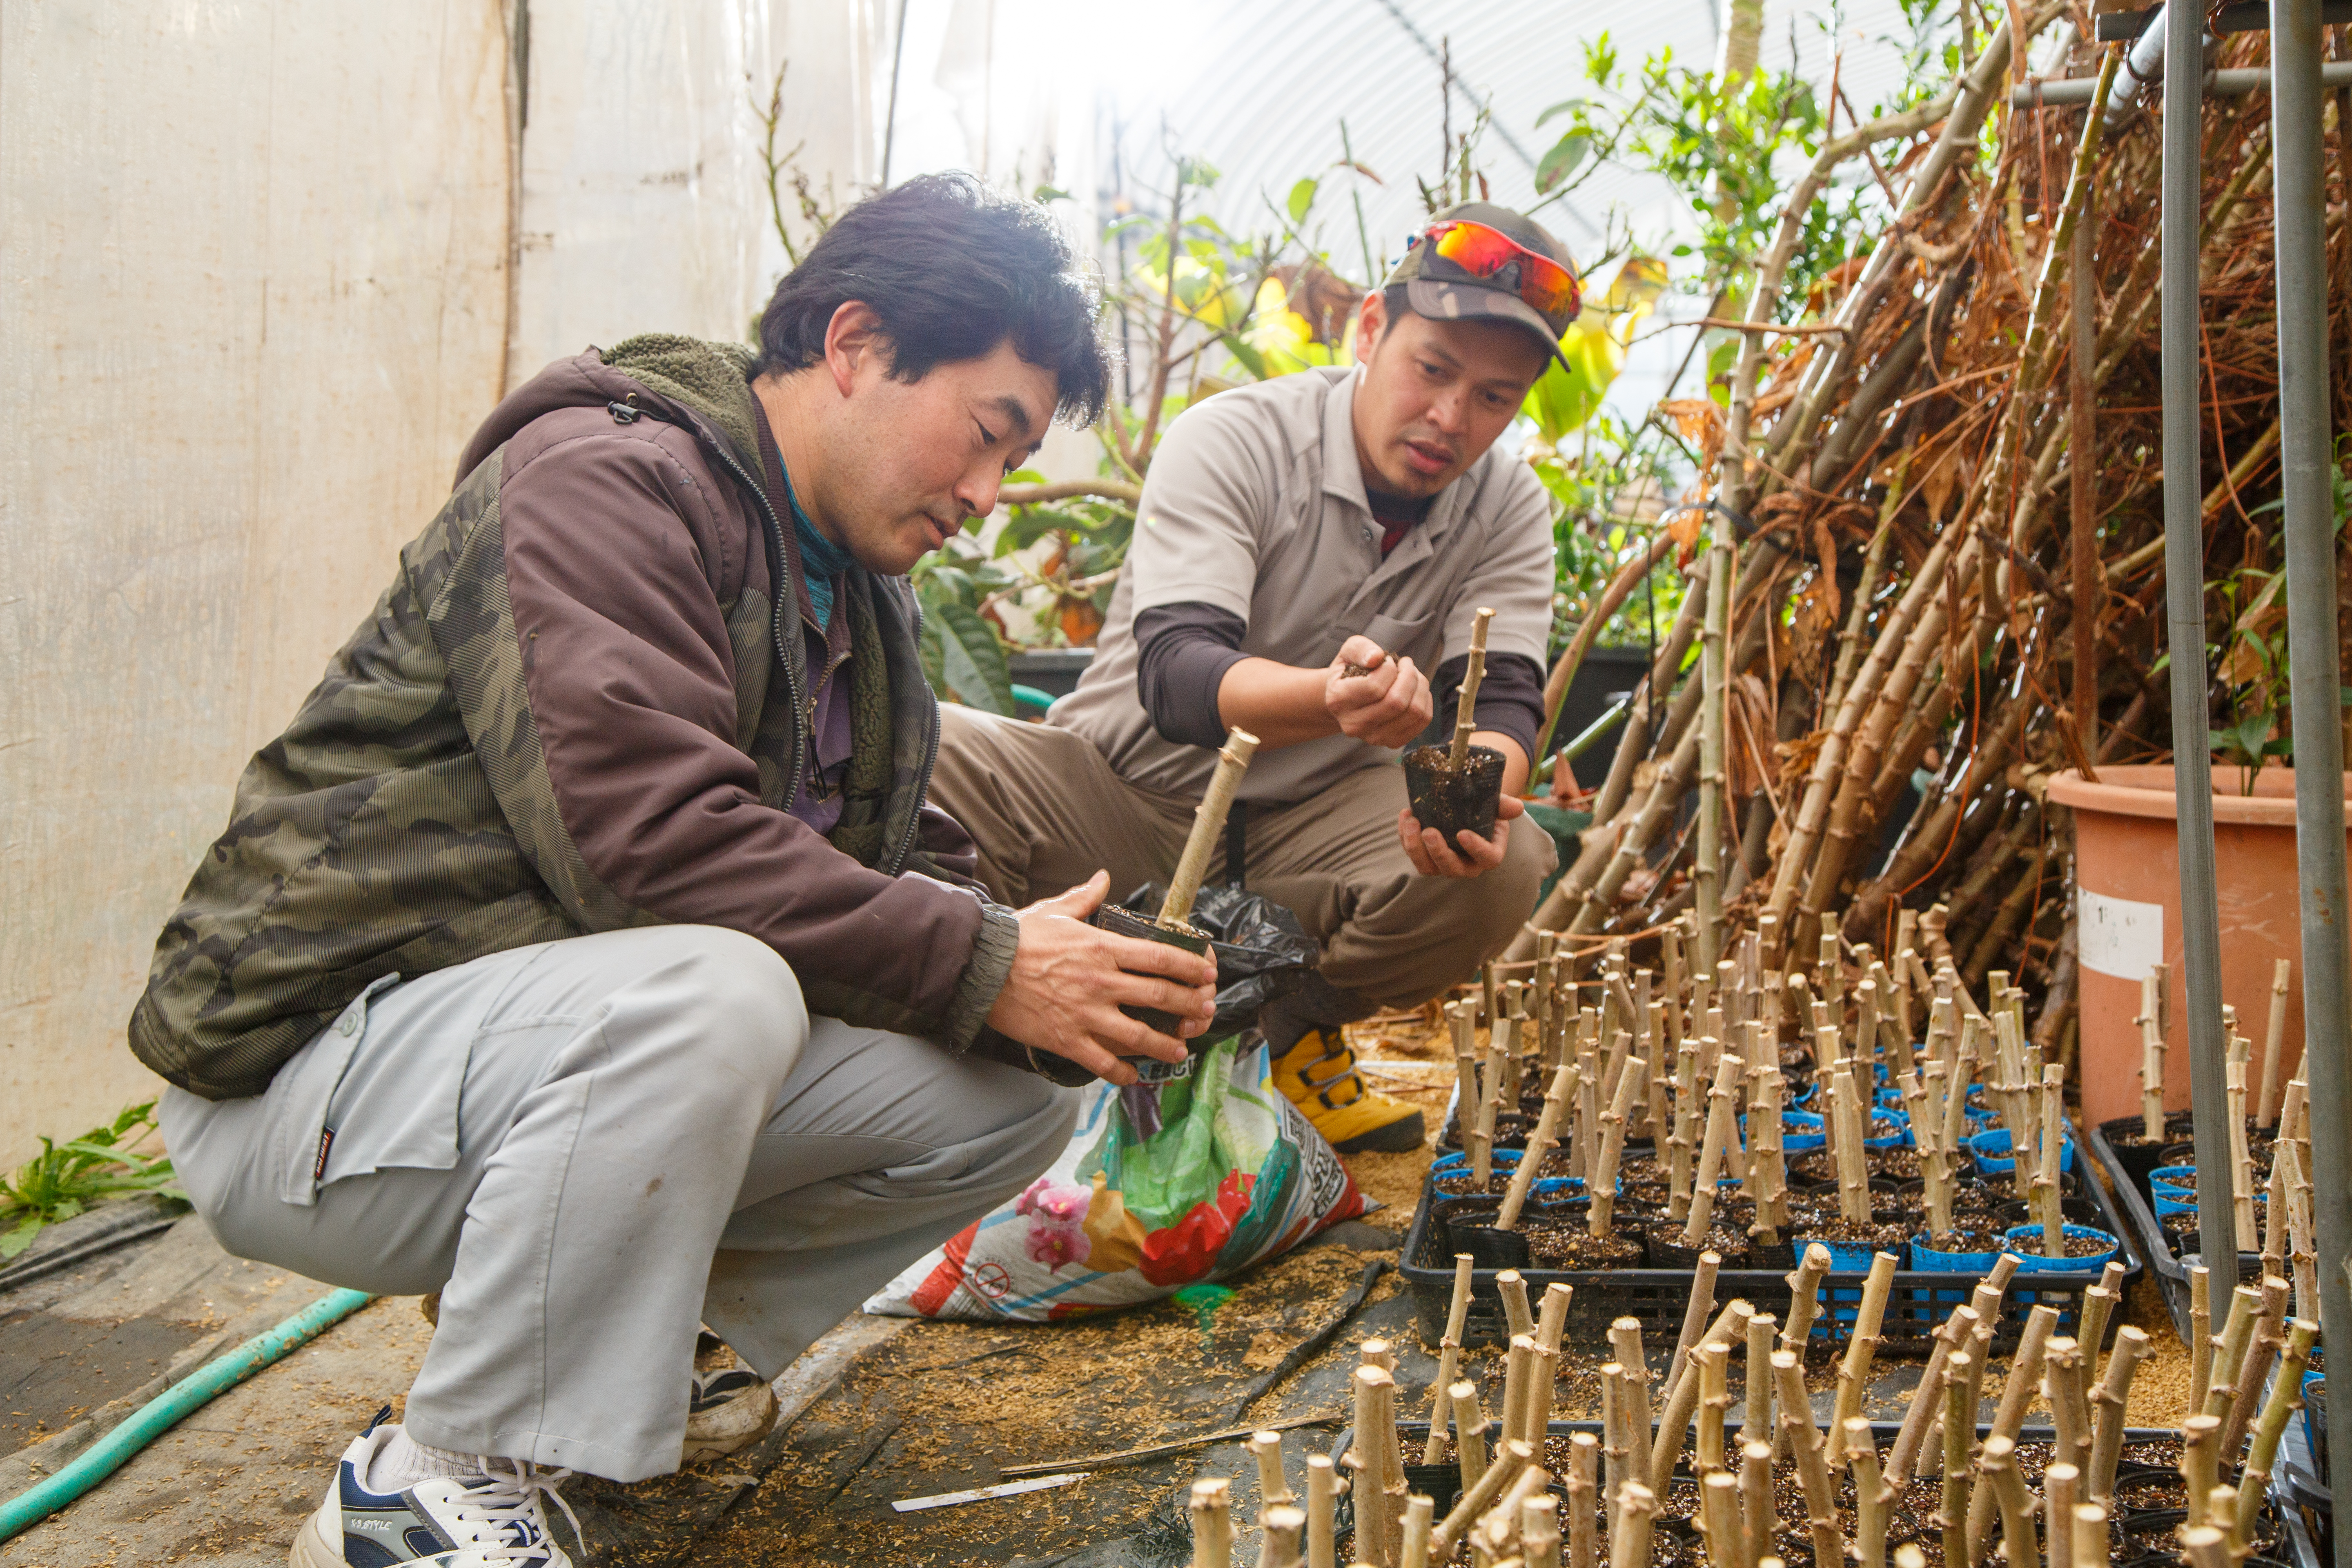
2121	937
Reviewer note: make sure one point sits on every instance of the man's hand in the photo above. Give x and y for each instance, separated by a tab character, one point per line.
1433	857
1387	705
1068	980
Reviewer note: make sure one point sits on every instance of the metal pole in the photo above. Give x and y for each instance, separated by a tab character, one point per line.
2184	593
2304	441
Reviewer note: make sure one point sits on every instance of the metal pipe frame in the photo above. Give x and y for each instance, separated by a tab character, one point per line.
2073	92
2184	592
2304	446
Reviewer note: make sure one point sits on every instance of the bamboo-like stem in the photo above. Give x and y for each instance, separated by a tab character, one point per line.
2275	1043
2062	1484
1756	1517
1870	1493
1539	1142
1273	1486
1449	1360
1998	1460
1708	1454
1543	1371
1467	703
1682	1400
1683	1142
1414	1553
2201	1335
1322	1504
1713	654
1625	1343
1959	1423
1721	1101
2090	1535
2107	1412
2200	1464
1755	1386
2304	1257
1207	826
1902	1459
1719	1517
2053	1145
2241	1159
1469	1433
2204	1546
1616	1427
1511	1458
1212	1523
1379	1484
2070	1411
2098	1305
1502	1519
1582	1456
1805	1444
2286	1399
1552	1315
1629	1542
1853	1173
1805	1296
2150	1020
1770	1159
2229	1348
1603	1187
1518	1316
2016	1394
1698	1312
1516	1359
1279	1530
1862	1343
1539	1528
2255	1365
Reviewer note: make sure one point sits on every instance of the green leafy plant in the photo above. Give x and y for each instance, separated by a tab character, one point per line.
64	1179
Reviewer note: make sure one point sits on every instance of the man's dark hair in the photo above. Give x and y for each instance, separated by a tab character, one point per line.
952	269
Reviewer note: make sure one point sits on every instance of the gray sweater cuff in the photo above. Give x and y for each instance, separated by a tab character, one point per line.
984	975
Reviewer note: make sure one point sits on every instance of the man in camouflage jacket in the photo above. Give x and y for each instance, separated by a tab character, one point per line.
586	950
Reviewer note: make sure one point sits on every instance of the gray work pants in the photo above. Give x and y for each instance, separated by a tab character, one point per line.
586	1146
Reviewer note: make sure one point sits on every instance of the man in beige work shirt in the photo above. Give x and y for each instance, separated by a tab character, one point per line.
1291	533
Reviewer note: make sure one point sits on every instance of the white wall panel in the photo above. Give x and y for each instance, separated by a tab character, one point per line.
252	301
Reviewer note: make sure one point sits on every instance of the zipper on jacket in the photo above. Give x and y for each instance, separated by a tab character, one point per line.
784	597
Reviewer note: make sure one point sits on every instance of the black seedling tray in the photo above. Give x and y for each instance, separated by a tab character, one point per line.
2146	1238
1657	1297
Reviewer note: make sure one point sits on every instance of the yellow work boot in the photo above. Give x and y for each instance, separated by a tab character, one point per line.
1319	1075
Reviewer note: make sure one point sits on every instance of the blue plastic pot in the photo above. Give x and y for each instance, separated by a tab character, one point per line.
1801	1131
1927	1260
2027	1251
1846	1256
1991	1149
1899	1138
2183	1177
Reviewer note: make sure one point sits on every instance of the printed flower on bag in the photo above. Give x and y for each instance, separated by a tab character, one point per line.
1057	1222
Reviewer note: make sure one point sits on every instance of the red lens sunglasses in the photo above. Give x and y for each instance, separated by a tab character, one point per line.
1483	252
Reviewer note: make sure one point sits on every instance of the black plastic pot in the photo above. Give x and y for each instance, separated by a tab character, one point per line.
1127	923
1450	801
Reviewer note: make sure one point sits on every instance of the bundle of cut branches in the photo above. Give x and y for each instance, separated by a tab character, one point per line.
1934	572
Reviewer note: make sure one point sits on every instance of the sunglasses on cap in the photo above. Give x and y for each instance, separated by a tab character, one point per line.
1483	252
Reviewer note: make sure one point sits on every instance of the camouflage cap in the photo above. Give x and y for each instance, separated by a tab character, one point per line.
1438	289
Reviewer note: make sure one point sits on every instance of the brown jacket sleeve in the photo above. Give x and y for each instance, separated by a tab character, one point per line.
619	546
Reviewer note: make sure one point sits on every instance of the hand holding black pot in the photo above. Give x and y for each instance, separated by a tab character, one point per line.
1068	980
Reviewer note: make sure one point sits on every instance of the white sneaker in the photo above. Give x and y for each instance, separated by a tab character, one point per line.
495	1518
730	1406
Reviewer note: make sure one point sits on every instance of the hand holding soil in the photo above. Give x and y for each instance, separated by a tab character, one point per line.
1068	979
1470	856
1379	700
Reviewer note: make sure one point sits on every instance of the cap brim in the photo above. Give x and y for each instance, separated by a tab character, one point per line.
1443	301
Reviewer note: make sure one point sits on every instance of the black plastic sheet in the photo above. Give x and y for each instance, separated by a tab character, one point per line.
1257	942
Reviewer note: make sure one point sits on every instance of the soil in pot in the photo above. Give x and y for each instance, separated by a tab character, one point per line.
1857	1233
1454	800
1556	1245
1667	1249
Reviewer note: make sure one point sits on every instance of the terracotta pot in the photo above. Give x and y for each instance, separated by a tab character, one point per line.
2128	877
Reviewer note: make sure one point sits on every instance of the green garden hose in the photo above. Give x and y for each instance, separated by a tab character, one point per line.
175	1405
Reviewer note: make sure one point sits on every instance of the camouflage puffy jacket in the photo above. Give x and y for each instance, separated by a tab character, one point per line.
577	707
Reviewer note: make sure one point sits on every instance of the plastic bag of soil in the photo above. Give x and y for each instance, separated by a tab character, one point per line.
1164	1185
1257	943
